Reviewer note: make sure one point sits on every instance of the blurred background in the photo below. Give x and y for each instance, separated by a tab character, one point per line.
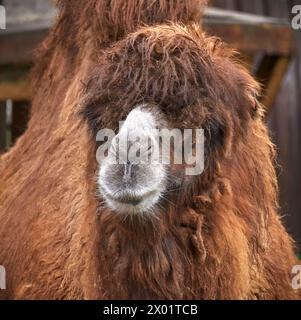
260	29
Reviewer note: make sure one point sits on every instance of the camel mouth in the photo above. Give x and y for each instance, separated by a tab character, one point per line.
131	203
127	198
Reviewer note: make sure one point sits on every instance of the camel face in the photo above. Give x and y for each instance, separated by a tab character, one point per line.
144	80
132	179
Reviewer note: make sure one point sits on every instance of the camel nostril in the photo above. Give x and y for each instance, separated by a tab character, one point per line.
128	170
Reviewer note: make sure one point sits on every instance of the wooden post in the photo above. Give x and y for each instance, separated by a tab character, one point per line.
2	126
276	79
20	119
270	71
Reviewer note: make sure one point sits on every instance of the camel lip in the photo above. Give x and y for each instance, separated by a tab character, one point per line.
130	199
137	204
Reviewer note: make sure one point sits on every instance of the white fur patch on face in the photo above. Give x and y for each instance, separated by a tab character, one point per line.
133	188
139	123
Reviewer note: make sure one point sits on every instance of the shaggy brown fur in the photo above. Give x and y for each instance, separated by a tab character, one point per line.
219	237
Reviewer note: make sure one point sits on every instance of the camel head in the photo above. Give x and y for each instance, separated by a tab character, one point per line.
157	103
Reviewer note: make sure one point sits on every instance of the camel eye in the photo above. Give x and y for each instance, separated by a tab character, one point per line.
215	134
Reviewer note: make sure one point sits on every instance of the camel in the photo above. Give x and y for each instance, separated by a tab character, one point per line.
72	227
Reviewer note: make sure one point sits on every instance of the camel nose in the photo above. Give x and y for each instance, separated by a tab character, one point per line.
131	179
